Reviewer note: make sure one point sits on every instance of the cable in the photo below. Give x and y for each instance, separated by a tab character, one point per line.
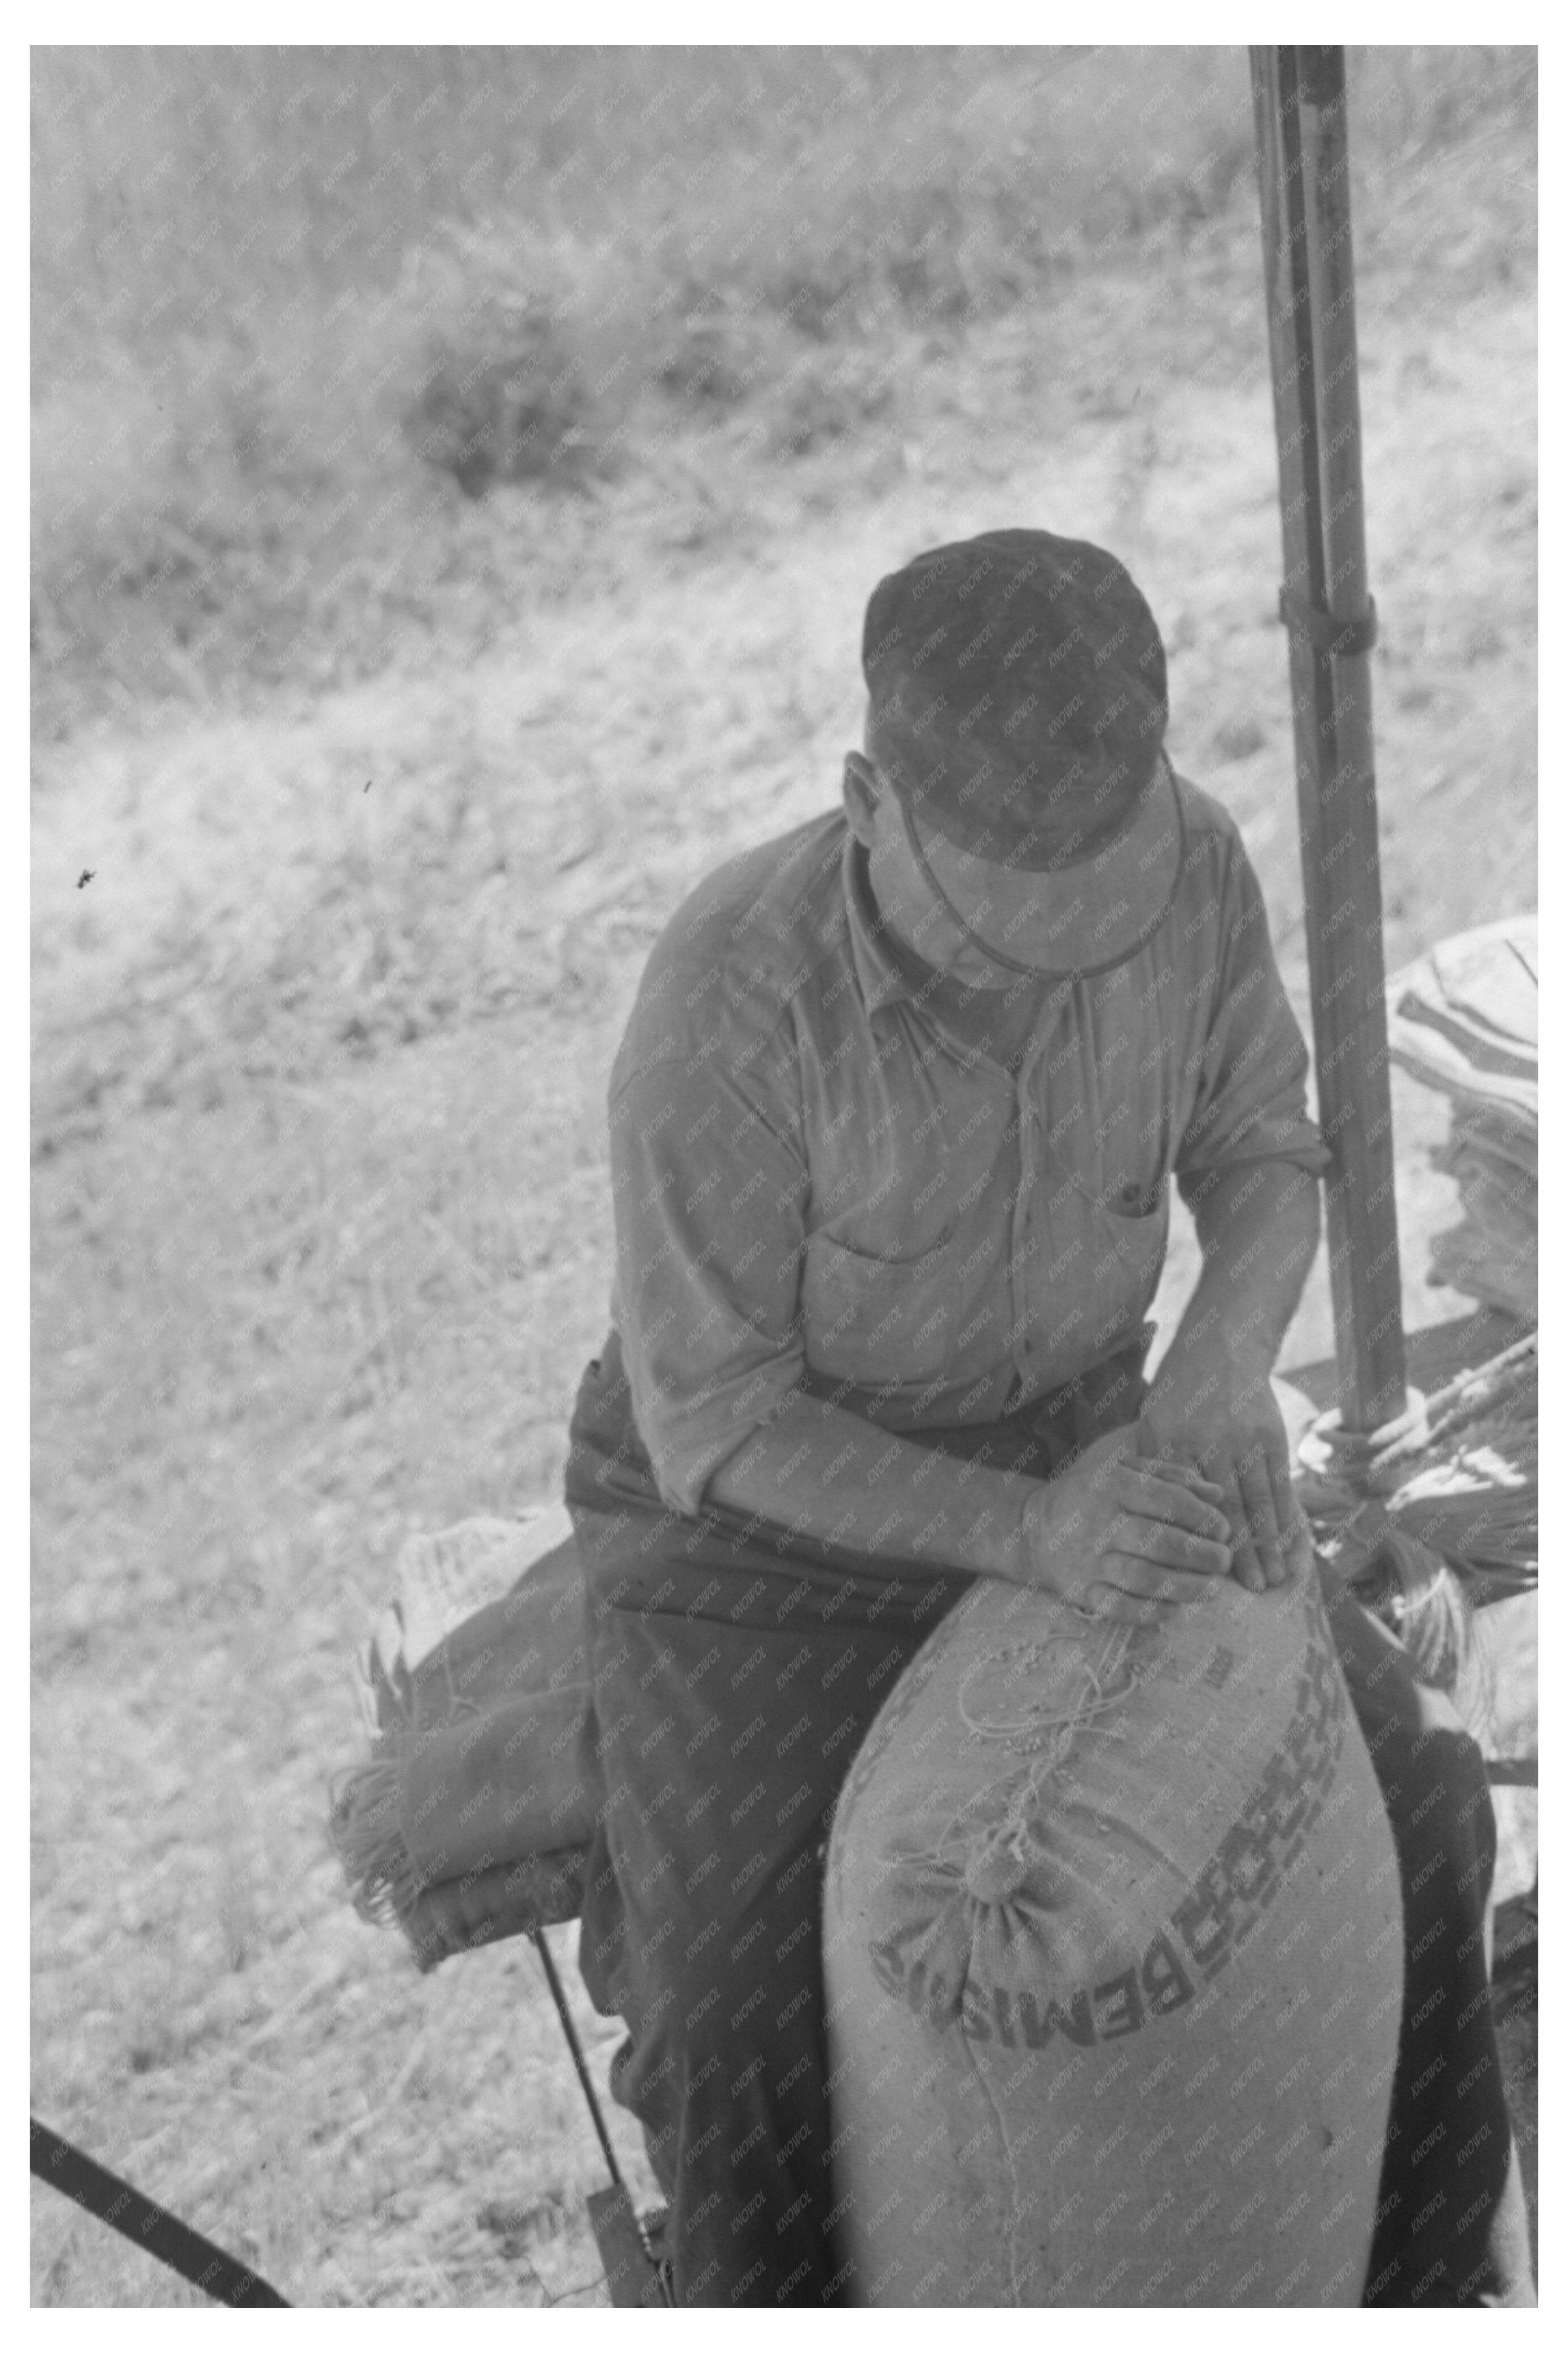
144	2222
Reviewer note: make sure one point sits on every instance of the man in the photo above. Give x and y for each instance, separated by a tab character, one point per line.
892	1128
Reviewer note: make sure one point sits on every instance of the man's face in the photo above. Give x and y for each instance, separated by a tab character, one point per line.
904	898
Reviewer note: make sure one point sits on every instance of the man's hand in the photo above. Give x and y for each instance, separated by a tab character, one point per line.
1121	1536
1210	1406
1228	1425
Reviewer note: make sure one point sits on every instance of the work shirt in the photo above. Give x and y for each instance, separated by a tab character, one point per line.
819	1185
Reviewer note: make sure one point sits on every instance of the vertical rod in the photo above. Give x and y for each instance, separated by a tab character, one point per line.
547	1957
1298	106
569	2031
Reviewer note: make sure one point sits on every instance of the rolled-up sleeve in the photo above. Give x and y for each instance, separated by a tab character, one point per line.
709	1179
1251	1067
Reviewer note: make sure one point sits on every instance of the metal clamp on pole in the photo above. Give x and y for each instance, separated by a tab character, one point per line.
1325	631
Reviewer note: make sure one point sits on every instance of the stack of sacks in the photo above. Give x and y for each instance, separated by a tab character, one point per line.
1464	1019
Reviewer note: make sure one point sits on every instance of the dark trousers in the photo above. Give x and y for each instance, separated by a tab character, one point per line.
731	1696
737	1667
1453	2228
703	1927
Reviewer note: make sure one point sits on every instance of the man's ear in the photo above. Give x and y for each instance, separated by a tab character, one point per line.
861	796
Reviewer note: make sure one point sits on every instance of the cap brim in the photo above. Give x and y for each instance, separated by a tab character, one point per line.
1081	917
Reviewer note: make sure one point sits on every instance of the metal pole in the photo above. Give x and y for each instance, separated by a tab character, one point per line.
1298	106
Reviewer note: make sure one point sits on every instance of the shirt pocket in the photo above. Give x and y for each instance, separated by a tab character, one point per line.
1127	1227
877	1320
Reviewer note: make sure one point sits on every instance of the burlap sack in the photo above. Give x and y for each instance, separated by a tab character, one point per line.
1113	1960
472	1818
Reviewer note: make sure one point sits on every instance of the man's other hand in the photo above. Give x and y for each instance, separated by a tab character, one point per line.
1123	1537
1229	1427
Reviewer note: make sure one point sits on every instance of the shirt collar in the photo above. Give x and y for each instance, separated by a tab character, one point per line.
882	982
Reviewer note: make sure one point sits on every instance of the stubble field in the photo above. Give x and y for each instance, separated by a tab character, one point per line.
322	1218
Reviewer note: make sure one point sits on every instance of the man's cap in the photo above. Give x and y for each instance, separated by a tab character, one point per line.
1018	709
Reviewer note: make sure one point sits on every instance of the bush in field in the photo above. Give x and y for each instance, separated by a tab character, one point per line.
288	305
511	382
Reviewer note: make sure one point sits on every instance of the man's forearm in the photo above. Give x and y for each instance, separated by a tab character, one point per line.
836	1475
1257	1227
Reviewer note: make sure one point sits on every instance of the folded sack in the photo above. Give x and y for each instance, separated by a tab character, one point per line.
473	1817
1465	1019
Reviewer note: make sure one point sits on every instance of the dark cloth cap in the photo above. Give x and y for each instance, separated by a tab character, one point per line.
1017	686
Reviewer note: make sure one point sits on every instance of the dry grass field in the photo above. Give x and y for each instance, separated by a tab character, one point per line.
386	789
